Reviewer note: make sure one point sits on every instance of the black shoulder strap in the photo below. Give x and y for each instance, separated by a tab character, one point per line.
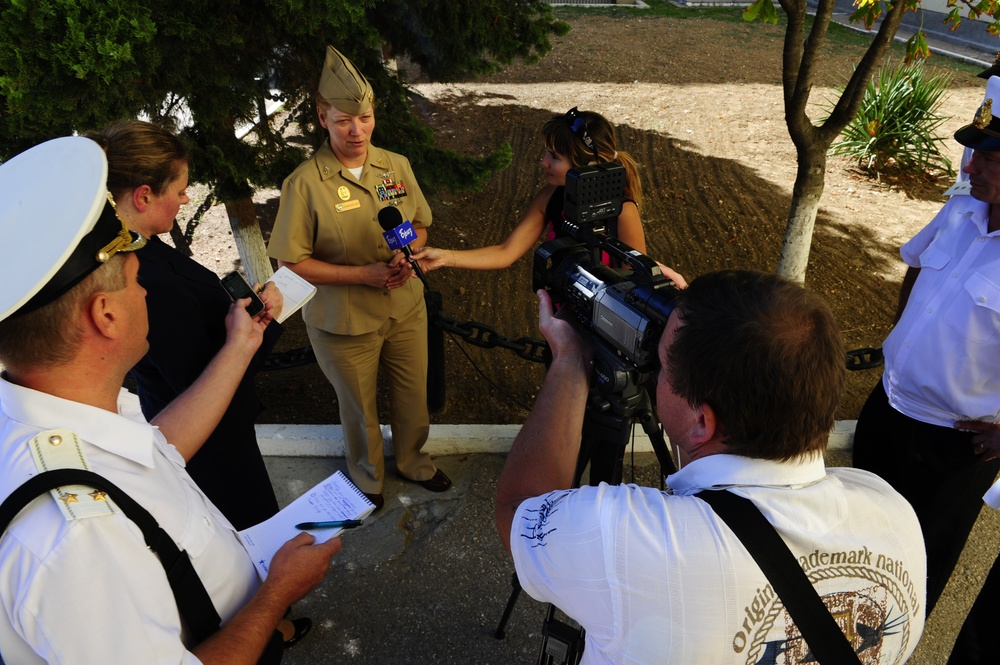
193	602
825	639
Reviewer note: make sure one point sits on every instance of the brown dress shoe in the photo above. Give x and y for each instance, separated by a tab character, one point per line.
300	627
436	483
377	499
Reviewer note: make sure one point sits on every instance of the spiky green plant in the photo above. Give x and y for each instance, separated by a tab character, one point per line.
895	129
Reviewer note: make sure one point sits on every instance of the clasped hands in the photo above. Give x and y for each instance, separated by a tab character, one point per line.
395	273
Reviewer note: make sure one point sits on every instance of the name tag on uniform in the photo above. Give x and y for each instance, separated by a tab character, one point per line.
350	205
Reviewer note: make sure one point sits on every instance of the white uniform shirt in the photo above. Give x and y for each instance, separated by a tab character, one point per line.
89	591
656	577
942	360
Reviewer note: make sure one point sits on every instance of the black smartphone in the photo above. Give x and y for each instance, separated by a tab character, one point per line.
238	288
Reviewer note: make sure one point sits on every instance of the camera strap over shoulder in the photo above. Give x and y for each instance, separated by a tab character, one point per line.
818	627
193	602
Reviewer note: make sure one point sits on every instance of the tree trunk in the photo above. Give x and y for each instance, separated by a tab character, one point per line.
809	183
389	60
249	240
799	57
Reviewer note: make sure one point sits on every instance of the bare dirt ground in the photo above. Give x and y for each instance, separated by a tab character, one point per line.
698	103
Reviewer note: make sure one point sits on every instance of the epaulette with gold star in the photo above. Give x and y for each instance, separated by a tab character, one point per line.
61	449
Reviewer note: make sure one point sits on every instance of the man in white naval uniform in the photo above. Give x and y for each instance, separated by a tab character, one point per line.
77	581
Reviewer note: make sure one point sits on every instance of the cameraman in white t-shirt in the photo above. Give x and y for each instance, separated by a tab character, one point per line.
752	373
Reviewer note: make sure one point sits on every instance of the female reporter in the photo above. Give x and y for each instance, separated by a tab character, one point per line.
574	139
187	307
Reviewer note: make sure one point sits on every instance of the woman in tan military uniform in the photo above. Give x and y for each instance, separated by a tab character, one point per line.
367	311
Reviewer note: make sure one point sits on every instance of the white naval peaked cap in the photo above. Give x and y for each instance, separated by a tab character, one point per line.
983	133
57	222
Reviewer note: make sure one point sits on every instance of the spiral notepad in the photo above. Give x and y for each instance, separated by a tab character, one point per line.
336	498
295	292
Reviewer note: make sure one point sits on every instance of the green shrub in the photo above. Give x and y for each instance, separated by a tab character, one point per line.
894	130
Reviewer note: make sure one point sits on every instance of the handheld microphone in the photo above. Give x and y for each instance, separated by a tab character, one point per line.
399	234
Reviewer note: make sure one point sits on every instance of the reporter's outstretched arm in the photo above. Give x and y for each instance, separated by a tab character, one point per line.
189	420
630	227
543	456
493	257
296	569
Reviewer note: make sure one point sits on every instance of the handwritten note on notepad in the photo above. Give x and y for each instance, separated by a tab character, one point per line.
295	292
336	498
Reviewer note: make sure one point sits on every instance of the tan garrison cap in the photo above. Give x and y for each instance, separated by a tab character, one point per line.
342	85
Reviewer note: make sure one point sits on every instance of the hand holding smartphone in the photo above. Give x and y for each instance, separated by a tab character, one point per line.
238	288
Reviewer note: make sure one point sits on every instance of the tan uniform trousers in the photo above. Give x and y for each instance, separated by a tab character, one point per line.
350	363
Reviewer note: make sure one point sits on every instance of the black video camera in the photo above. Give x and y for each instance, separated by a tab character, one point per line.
625	310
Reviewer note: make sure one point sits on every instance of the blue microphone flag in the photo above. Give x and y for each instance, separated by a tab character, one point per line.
400	236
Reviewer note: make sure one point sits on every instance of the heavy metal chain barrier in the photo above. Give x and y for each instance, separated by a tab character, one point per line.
864	359
192	223
289	359
488	337
528	348
476	334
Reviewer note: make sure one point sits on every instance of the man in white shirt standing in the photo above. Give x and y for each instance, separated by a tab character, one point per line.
77	582
930	426
752	372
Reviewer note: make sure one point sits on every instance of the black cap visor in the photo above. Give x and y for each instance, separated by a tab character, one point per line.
986	139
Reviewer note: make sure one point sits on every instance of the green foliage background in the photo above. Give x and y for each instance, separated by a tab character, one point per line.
896	127
75	65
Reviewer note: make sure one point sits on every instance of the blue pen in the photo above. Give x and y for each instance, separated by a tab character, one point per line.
335	524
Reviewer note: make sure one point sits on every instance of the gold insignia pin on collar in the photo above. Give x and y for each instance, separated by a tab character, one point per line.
984	115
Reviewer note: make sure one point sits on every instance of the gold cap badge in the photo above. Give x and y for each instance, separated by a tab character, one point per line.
984	115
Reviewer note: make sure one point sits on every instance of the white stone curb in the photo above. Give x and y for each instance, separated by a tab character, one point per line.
328	440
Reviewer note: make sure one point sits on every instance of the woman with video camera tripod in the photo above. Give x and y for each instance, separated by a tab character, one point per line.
574	139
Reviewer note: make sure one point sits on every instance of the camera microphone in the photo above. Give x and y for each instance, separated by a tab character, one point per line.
399	234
